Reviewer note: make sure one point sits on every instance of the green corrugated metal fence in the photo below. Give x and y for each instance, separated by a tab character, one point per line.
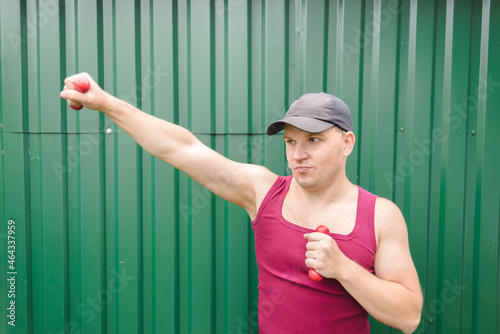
110	240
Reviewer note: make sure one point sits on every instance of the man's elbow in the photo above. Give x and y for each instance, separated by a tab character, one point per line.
413	321
411	326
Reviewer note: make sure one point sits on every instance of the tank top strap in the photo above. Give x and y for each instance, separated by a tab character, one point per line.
365	216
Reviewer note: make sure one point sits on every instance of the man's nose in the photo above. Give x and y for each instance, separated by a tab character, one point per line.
300	152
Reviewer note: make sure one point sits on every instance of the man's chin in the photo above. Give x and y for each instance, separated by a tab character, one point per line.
306	182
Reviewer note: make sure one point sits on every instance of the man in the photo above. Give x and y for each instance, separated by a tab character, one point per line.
365	259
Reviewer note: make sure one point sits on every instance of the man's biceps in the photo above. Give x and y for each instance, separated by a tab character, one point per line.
392	261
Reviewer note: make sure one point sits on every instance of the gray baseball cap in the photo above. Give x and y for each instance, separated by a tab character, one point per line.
315	112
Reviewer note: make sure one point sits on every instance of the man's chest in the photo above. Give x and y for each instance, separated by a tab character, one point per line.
339	219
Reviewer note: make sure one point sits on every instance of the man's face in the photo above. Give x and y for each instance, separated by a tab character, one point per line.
316	159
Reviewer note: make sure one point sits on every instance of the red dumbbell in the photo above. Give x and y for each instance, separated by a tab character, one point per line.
82	85
313	274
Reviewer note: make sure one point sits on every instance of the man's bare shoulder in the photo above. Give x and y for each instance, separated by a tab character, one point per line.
388	219
386	208
261	179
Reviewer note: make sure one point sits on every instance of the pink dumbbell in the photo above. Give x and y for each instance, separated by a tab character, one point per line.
313	274
82	85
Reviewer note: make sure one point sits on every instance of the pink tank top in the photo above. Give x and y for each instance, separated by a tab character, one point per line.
289	302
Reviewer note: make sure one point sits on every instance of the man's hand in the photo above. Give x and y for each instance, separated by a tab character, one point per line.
324	255
95	98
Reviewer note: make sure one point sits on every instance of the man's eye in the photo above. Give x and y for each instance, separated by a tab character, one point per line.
313	139
290	141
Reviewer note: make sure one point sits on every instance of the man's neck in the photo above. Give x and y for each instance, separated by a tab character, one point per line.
334	192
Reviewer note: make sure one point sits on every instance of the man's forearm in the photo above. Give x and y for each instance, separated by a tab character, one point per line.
386	301
160	138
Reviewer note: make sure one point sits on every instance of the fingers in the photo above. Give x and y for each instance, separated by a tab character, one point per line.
69	80
315	254
68	84
71	93
311	255
72	96
314	263
316	240
311	263
315	236
323	254
317	247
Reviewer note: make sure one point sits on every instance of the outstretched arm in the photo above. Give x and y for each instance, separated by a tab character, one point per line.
239	183
393	295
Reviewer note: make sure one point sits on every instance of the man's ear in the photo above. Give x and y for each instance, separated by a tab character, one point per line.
349	140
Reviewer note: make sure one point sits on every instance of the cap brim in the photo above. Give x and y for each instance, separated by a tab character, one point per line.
306	124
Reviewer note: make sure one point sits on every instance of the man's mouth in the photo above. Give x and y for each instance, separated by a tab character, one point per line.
302	168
